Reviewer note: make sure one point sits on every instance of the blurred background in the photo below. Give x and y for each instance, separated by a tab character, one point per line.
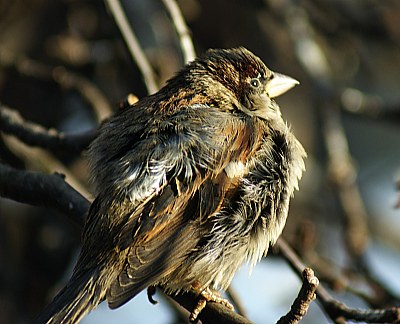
64	65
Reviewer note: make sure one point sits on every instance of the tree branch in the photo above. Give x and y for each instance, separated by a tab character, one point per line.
64	78
52	191
338	312
304	298
182	30
11	122
38	159
133	45
235	300
45	190
212	313
334	309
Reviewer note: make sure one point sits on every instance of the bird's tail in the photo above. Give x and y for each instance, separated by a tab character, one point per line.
83	292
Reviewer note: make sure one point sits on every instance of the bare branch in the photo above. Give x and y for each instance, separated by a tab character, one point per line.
343	175
290	256
90	92
64	78
11	122
341	168
236	302
304	298
333	308
212	313
133	45
338	311
41	160
182	30
46	190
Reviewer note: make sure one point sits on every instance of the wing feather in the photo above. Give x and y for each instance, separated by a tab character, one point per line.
175	180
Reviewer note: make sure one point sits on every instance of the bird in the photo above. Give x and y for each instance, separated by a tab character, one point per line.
191	182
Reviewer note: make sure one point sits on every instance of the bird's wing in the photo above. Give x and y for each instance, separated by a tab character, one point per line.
176	180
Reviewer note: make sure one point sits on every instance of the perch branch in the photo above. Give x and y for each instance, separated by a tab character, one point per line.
212	313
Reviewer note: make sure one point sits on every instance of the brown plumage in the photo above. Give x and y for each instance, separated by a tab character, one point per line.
191	182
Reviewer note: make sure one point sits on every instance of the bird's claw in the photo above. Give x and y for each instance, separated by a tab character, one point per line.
151	291
205	296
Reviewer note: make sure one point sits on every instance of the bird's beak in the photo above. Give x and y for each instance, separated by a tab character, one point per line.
279	84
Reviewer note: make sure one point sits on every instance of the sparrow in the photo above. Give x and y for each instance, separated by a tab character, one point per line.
191	182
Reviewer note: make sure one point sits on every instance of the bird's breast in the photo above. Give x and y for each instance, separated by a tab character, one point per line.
236	169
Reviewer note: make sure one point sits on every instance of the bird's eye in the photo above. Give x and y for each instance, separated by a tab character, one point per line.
255	83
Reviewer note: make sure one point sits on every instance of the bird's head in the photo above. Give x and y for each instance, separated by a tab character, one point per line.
237	79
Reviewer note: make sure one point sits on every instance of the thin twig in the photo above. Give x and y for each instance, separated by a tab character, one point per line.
304	298
236	302
380	296
64	78
333	308
40	160
89	91
182	30
181	313
133	45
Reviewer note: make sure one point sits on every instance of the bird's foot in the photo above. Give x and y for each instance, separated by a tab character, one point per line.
205	296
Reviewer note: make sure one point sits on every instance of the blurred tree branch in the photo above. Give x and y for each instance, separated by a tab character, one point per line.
133	45
63	77
182	30
336	310
11	122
